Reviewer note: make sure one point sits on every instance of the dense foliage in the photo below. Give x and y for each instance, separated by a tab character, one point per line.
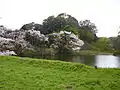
86	30
115	42
103	44
46	37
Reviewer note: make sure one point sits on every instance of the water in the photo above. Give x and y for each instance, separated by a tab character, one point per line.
104	61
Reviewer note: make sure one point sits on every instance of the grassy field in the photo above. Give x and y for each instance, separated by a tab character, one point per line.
18	73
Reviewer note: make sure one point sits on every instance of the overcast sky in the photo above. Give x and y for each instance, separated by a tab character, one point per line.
104	13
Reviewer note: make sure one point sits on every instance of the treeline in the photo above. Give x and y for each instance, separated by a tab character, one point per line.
60	34
86	30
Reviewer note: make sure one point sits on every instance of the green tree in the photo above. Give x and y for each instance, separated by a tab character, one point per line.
103	44
32	25
53	24
116	42
62	22
71	21
87	31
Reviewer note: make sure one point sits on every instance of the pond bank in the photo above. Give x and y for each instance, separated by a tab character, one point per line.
90	52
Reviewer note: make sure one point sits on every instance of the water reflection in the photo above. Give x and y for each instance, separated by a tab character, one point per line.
107	61
88	60
104	61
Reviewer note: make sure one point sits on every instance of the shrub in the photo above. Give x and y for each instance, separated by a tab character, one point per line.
103	44
116	53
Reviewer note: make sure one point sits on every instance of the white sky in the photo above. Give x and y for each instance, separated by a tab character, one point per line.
104	13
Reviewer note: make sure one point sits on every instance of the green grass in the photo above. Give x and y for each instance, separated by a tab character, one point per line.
18	73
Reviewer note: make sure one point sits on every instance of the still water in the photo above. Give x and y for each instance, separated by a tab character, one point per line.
103	61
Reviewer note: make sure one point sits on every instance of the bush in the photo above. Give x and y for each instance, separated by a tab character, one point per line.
103	44
92	47
38	52
116	53
88	46
28	53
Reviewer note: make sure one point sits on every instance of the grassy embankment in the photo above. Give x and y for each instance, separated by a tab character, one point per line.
18	73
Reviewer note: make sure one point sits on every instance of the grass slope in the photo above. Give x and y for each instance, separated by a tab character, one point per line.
18	73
